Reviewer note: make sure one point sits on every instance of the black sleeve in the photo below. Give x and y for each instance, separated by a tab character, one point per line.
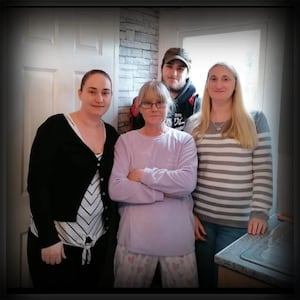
41	162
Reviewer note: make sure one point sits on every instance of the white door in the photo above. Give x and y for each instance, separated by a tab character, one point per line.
50	50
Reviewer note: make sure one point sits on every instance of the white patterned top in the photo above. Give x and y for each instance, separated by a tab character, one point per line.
88	227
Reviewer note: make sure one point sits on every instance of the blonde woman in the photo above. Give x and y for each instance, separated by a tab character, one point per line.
234	188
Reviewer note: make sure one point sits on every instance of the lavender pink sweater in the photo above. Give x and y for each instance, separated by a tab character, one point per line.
151	223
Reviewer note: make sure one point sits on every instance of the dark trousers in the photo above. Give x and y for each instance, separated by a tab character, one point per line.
217	238
70	275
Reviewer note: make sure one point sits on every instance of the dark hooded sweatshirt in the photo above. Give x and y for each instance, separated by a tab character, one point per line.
184	105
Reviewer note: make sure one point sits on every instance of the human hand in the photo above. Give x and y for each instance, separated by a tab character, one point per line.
53	254
257	226
135	175
199	230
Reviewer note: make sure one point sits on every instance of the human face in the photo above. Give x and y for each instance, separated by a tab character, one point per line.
220	83
155	114
174	75
96	95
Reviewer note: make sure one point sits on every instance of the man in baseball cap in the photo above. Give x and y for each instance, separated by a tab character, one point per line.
175	68
179	54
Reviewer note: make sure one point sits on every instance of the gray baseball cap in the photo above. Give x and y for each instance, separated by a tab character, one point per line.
177	53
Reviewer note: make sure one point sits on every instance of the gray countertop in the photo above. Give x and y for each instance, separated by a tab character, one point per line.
268	258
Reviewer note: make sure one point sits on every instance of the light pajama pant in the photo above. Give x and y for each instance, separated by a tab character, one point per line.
137	270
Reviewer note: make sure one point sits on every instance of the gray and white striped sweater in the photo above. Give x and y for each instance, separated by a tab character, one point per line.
234	183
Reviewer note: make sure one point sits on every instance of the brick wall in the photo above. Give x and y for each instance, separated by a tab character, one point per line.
138	56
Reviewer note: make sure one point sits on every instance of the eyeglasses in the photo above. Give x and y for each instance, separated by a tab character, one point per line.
148	105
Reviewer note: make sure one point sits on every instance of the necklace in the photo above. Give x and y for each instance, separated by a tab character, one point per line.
218	125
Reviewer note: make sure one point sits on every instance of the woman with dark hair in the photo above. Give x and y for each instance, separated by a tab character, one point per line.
72	235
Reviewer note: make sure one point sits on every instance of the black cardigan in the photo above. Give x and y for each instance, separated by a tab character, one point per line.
61	168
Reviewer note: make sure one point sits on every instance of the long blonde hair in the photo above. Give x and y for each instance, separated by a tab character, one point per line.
242	126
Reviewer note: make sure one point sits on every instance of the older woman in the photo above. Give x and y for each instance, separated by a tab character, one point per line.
153	175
